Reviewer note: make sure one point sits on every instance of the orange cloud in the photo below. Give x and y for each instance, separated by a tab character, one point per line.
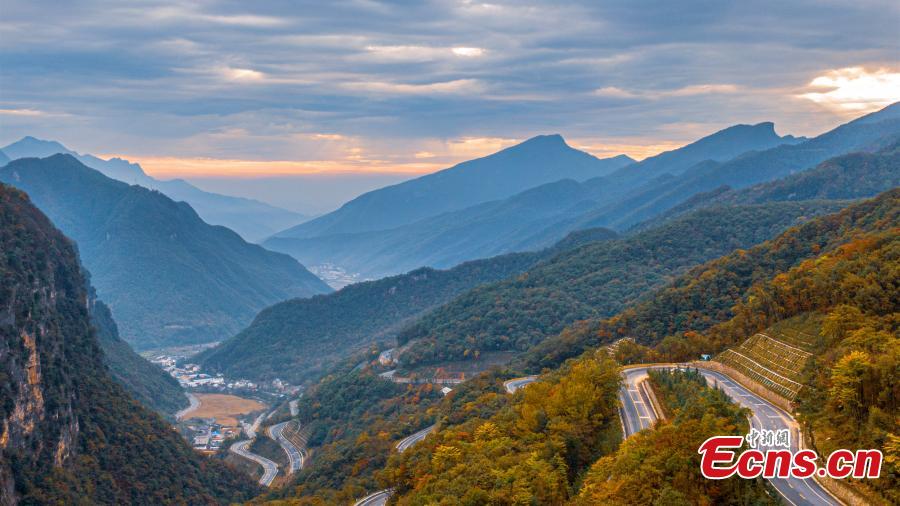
436	155
632	148
165	167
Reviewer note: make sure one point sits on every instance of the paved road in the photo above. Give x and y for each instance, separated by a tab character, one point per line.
379	498
269	467
195	403
517	383
295	455
637	414
415	438
250	429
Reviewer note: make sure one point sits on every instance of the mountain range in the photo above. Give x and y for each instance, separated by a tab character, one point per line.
538	160
585	284
252	219
532	219
70	433
169	277
597	279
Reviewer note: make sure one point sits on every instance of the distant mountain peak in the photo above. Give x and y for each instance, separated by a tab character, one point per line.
546	139
29	146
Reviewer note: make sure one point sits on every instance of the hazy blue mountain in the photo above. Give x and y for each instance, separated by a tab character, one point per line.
252	219
30	147
539	160
3	159
659	195
852	176
442	241
525	221
169	277
720	146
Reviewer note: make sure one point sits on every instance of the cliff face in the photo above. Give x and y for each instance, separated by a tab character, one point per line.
40	328
68	432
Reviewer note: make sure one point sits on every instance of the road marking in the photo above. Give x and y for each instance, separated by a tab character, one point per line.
813	490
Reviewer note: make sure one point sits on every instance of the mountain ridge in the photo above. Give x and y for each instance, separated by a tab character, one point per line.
169	277
298	339
252	219
70	433
538	160
526	221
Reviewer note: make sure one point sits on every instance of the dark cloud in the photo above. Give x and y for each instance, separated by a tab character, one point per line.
165	77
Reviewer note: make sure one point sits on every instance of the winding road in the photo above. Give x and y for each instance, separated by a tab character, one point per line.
270	469
194	404
637	413
514	384
295	455
415	438
379	498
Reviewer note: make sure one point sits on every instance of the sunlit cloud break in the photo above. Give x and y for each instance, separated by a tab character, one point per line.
21	112
855	89
468	51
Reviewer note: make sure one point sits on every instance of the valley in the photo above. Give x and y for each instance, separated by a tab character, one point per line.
449	253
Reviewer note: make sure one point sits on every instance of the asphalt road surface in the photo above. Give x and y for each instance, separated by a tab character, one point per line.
415	438
379	498
194	403
295	455
637	414
269	467
517	383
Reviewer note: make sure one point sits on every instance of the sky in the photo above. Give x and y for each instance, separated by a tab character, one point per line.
293	101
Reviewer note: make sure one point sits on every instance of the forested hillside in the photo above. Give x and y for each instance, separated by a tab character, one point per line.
146	382
593	281
662	466
846	302
299	339
676	318
532	450
72	435
168	277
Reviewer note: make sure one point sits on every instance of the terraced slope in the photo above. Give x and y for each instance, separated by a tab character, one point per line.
770	362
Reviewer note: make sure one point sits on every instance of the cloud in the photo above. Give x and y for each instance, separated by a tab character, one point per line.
614	92
231	80
181	14
686	91
702	89
245	75
447	87
419	53
22	112
855	89
198	167
468	51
